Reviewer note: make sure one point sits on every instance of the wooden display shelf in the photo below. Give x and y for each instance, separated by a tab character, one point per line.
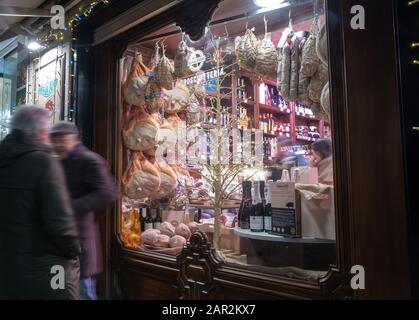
204	206
247	102
273	135
265	108
277	134
306	118
305	140
264	236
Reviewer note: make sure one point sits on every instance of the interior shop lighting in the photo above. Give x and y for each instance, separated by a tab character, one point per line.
268	3
34	46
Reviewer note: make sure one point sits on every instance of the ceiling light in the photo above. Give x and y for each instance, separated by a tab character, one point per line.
34	46
268	3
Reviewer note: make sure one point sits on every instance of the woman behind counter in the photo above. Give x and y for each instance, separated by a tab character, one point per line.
321	157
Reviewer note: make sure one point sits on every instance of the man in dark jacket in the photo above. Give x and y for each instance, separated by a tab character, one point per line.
91	187
39	244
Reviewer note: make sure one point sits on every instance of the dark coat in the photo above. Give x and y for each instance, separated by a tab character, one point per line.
91	187
37	228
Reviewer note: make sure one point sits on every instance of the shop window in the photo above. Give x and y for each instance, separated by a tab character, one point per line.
8	82
231	135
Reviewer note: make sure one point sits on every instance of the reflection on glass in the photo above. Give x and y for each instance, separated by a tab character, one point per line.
231	135
8	70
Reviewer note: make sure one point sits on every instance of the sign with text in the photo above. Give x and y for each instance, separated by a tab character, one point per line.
50	87
285	216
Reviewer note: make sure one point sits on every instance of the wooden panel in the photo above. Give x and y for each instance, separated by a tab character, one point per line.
137	286
376	178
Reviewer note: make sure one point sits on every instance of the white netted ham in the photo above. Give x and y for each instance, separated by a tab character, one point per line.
140	133
177	241
148	236
168	179
177	99
141	179
167	229
161	241
183	230
134	87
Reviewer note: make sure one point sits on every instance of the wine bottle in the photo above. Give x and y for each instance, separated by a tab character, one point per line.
268	207
247	206
198	215
262	187
148	220
143	218
157	220
239	89
256	214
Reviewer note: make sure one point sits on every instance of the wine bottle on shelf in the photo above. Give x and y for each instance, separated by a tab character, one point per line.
143	216
262	188
262	93
247	205
267	223
256	215
157	220
272	100
267	95
148	220
271	129
243	89
198	215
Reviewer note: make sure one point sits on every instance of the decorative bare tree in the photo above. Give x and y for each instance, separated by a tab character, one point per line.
223	168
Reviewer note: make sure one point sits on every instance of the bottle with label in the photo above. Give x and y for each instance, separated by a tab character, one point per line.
157	220
243	89
256	214
198	215
143	217
239	89
186	215
268	207
262	186
246	208
148	220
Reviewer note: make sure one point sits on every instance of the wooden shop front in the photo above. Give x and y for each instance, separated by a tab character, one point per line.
368	209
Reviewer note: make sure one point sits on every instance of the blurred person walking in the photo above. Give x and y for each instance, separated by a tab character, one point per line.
38	234
91	187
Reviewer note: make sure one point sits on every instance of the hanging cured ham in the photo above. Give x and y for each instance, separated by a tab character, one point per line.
140	133
141	179
134	87
177	99
168	179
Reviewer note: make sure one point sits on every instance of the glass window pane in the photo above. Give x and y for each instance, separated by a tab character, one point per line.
231	135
